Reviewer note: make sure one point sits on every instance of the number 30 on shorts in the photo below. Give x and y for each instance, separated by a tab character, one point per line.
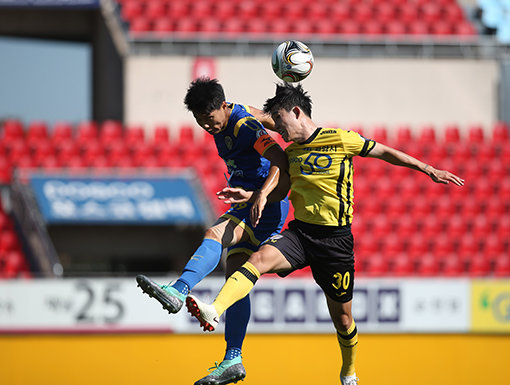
342	281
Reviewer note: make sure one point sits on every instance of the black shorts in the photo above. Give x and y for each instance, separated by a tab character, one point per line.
328	252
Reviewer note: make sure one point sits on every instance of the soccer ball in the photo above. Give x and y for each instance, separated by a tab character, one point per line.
292	61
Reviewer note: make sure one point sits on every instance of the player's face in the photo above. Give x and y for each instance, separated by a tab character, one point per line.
286	123
214	121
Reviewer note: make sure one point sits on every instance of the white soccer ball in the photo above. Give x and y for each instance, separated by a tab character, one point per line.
292	61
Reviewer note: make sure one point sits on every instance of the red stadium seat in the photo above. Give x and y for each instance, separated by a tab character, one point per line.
493	245
132	9
401	266
404	135
363	13
12	129
110	131
452	13
177	9
452	134
62	131
407	13
395	28
37	131
134	135
385	12
376	266
500	132
161	135
427	266
317	11
502	266
451	266
479	266
350	27
419	28
155	9
248	10
475	134
224	11
163	26
86	131
339	12
233	26
464	28
427	135
209	26
430	13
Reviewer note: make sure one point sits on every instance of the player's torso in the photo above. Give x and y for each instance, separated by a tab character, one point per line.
235	145
321	179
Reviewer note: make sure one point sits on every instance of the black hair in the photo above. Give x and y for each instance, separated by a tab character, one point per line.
204	95
287	97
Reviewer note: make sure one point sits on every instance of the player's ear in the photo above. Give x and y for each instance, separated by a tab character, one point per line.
296	111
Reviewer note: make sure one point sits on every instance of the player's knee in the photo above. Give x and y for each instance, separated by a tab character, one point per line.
343	322
214	233
261	262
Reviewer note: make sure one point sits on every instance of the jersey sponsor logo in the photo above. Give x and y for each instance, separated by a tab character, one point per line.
316	163
324	132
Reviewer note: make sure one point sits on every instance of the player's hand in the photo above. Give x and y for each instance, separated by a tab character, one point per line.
443	176
256	209
230	195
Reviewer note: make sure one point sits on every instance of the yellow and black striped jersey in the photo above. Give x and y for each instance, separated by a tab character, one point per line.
321	175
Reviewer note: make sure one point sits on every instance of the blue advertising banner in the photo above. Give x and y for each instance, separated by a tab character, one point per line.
51	3
113	200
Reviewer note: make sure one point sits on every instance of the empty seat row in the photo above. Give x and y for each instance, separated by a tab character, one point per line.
412	216
324	17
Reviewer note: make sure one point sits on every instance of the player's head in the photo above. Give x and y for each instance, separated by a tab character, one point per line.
287	97
205	98
291	110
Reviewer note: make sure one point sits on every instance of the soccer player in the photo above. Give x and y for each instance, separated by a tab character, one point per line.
255	163
321	173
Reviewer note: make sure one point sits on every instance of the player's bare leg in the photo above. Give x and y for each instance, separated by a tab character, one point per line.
347	336
267	259
223	233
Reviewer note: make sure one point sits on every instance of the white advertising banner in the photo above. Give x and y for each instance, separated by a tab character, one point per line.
291	305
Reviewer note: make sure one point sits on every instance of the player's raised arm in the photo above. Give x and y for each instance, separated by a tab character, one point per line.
263	117
399	158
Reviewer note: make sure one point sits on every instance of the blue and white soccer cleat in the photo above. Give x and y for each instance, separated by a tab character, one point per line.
225	373
349	380
205	313
166	295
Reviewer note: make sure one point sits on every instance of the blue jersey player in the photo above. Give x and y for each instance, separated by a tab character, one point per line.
256	163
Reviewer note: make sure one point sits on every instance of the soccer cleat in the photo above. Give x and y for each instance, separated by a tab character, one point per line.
167	296
205	313
225	373
349	380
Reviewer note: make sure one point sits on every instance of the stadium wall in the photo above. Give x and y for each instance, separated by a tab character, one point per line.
344	91
269	359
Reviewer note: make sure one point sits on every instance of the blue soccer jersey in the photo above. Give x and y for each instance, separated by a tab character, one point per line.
242	145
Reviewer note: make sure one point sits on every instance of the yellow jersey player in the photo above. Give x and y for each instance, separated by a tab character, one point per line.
321	174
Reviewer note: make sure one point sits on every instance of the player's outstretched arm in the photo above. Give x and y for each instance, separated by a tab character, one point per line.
399	158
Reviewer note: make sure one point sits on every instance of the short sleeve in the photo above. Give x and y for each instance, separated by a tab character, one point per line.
355	144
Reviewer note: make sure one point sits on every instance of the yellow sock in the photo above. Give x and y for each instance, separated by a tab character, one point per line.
237	286
348	345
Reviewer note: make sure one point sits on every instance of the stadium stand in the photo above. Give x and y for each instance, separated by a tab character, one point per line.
395	18
414	227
